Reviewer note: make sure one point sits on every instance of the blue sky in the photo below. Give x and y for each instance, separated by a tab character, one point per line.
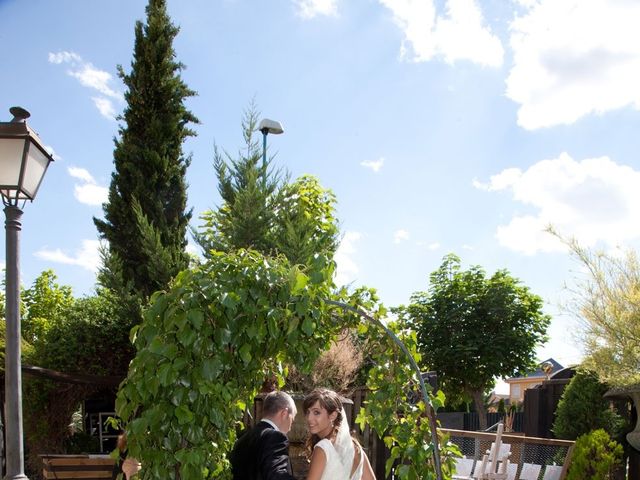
461	126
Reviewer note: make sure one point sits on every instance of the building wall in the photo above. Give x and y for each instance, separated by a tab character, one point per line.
518	386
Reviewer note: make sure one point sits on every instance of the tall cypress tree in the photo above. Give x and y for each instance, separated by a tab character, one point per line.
145	217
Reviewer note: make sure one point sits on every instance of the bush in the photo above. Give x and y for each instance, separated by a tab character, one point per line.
336	368
594	456
583	408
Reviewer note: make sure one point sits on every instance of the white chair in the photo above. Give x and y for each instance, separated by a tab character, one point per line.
530	471
503	451
552	472
494	464
481	468
512	470
463	469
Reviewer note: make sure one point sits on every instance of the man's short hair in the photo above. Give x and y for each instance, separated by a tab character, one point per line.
276	401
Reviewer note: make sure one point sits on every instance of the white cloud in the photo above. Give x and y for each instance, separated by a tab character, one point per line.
374	165
52	152
429	246
93	78
459	34
99	80
346	267
105	107
312	8
501	181
87	257
81	173
594	200
64	57
573	58
468	247
400	236
88	192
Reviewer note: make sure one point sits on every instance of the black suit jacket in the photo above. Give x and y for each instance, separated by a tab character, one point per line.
261	453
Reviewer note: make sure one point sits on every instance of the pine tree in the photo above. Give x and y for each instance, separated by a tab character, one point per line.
263	211
145	217
249	194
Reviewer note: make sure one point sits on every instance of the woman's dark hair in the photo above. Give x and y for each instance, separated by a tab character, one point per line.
330	401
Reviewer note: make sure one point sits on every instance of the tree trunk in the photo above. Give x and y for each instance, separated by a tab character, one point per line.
478	401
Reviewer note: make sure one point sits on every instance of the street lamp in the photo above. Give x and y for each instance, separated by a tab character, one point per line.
23	163
267	126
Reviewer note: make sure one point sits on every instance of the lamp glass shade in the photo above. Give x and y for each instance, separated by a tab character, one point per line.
34	170
11	151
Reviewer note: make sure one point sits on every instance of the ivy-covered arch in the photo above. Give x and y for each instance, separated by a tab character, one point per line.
205	346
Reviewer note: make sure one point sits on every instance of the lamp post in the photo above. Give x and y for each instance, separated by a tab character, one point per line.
267	126
23	163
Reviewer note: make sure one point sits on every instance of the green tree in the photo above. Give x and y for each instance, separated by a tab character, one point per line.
263	211
583	408
45	303
145	219
305	223
248	191
594	457
607	299
87	338
472	328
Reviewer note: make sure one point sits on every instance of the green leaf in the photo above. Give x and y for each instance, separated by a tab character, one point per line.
293	324
165	374
157	346
297	281
245	353
183	414
229	301
196	318
252	331
187	336
308	326
211	368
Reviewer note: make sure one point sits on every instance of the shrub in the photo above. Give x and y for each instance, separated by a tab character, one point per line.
336	368
594	456
583	408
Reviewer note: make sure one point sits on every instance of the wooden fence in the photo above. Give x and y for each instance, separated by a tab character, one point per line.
538	452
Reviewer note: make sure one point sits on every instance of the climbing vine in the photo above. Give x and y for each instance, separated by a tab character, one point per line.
204	348
397	412
206	345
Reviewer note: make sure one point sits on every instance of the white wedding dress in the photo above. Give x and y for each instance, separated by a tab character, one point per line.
340	455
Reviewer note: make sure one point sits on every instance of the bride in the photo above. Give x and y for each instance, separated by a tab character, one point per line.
335	455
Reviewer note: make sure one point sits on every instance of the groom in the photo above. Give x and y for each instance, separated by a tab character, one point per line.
262	453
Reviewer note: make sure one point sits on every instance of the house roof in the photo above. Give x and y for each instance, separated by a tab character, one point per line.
538	373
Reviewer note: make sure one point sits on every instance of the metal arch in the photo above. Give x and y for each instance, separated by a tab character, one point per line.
431	414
